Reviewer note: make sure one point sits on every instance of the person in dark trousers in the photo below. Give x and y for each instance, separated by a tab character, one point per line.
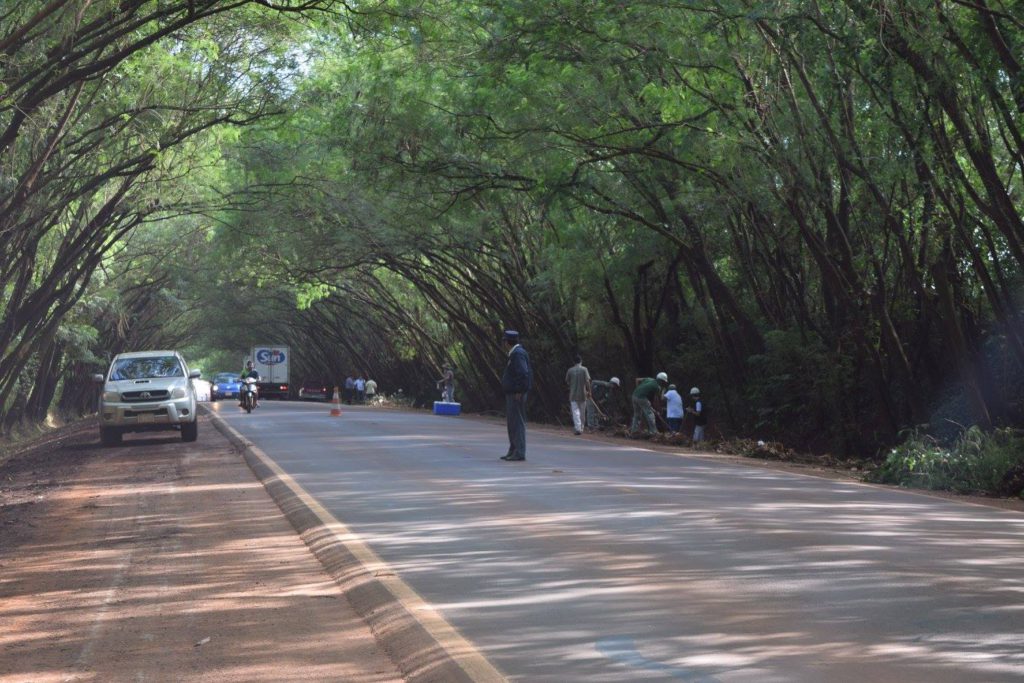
515	382
673	409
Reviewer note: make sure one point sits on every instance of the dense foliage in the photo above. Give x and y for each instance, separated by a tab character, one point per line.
977	462
111	115
811	210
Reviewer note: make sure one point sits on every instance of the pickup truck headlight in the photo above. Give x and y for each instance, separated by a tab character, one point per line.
178	392
111	397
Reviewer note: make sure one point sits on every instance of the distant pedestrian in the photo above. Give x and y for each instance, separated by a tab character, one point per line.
447	384
350	388
371	390
516	382
360	387
578	379
600	404
700	415
646	398
673	409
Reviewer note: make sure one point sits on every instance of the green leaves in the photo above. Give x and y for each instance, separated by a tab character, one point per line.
976	463
306	294
737	190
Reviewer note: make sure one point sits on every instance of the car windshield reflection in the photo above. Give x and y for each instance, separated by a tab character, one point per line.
154	367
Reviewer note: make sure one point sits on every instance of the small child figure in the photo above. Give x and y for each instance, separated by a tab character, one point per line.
700	417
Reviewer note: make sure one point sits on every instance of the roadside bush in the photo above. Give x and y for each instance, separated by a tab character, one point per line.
977	462
797	394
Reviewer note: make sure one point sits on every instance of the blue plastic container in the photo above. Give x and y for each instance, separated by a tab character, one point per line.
445	408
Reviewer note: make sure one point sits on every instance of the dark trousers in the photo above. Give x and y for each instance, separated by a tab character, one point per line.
515	415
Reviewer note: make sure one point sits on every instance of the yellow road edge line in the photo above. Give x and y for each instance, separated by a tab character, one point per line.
463	652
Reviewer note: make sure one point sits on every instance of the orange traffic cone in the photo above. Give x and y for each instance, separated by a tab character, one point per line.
336	404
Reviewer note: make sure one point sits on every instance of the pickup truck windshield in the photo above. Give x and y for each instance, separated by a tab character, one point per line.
151	367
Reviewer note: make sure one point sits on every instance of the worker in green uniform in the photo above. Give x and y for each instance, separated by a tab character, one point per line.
647	397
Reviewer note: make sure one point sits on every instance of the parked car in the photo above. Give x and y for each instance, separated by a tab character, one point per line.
147	391
225	385
204	390
316	390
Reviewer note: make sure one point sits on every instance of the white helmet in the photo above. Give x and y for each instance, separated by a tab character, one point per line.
695	392
615	381
662	377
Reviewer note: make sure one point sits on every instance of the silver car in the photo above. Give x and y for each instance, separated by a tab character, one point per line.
146	391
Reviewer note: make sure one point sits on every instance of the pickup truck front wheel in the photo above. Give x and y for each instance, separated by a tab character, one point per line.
190	431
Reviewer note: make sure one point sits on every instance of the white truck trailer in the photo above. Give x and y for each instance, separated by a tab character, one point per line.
271	361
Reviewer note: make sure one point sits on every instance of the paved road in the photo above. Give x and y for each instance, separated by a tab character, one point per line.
599	562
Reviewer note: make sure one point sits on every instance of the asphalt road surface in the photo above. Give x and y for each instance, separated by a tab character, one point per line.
605	562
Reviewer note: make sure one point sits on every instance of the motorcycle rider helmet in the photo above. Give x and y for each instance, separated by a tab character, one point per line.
662	377
615	381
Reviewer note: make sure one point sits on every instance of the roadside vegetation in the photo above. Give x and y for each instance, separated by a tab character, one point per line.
977	462
808	210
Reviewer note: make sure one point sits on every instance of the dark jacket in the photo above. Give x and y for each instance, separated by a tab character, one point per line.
517	377
700	413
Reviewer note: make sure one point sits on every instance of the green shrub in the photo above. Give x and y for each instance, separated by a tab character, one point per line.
978	462
798	393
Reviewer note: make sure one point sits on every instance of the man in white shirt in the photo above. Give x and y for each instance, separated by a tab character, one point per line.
578	379
673	409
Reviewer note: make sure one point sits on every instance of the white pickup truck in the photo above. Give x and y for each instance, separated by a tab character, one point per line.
147	391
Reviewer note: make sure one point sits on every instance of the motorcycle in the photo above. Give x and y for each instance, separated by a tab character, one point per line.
248	391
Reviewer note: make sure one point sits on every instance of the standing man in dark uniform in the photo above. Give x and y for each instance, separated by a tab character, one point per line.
515	382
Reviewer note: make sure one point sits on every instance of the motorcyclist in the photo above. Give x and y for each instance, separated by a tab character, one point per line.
249	371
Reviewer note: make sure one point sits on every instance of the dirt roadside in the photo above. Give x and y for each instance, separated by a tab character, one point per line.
163	561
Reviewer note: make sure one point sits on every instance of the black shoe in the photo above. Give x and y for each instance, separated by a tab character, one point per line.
577	433
514	458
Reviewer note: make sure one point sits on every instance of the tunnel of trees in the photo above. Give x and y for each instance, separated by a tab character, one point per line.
811	210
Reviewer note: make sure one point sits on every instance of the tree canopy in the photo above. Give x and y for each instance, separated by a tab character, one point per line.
810	210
